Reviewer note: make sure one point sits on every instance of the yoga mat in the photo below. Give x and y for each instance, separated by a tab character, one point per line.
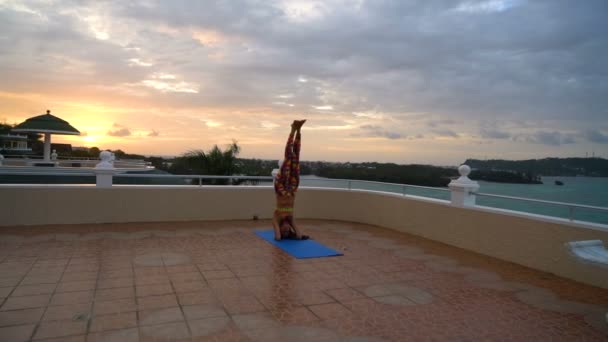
300	249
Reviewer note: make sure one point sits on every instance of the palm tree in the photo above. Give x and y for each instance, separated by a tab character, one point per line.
213	162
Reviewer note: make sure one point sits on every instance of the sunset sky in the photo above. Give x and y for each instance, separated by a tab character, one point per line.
433	81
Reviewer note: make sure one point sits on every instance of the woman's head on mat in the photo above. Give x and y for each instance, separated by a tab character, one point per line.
285	224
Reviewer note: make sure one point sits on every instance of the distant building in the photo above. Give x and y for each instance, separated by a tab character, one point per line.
14	144
62	149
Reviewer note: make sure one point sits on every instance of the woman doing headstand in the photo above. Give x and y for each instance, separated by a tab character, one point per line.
285	186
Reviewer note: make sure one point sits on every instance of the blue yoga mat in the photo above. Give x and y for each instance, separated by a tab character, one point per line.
300	249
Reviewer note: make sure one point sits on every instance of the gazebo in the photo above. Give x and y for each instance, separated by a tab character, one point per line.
46	124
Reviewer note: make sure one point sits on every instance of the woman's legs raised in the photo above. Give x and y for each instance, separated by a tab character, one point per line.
288	178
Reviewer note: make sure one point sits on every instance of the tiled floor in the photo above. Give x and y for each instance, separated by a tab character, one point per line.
217	281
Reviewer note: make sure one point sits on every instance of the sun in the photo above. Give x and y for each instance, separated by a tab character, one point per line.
90	138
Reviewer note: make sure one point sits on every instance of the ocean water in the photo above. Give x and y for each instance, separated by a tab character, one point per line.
591	191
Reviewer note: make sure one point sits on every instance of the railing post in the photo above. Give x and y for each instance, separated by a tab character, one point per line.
462	188
275	172
350	186
1	159
104	170
200	181
571	213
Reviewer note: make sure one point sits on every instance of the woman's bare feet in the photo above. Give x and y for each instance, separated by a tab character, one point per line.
297	124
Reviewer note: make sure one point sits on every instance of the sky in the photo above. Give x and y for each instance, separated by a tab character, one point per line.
431	82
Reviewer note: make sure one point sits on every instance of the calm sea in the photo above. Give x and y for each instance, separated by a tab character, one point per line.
577	190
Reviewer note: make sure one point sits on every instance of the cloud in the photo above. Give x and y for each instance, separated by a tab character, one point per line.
437	123
169	83
494	134
487	6
596	136
547	138
154	133
379	132
445	133
122	132
119	131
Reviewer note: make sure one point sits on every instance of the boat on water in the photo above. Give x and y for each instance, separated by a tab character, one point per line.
558	182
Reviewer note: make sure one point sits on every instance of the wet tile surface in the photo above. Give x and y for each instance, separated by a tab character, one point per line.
216	281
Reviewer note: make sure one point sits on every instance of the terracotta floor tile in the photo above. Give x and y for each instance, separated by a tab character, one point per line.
185	287
45	271
16	333
115	282
114	293
182	269
150	271
5	291
121	335
114	321
208	326
168	331
81	260
156	302
344	294
212	267
114	306
79	276
18	317
67	312
297	315
257	320
74	286
60	329
242	304
68	298
78	338
330	311
186	278
152	280
9	281
203	296
25	302
193	312
153	290
159	316
226	284
32	290
46	279
221	274
313	297
120	273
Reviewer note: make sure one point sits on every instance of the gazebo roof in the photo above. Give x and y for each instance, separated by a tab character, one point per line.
46	123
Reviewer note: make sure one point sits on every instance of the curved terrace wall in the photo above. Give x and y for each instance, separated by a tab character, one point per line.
519	238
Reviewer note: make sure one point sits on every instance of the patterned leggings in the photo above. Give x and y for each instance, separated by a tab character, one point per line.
287	180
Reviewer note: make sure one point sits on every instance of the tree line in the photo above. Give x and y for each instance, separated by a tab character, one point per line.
560	167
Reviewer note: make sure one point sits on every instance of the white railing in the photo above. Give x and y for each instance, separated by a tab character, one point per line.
349	184
31	160
403	189
570	206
